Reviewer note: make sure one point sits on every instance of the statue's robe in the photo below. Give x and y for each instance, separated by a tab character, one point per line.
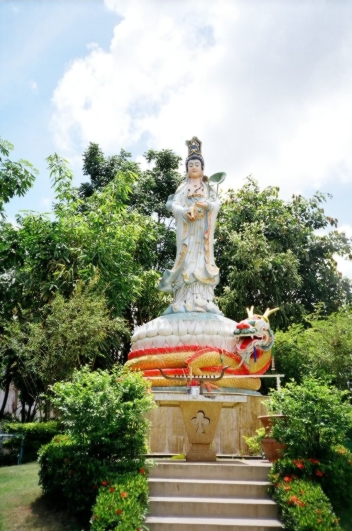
194	274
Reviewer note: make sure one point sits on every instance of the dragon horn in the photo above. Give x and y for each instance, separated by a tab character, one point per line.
250	312
269	312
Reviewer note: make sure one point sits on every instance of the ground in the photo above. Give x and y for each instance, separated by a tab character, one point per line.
22	507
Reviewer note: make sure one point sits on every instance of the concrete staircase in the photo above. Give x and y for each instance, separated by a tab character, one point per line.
228	494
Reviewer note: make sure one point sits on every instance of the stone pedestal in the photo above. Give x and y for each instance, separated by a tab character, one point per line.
200	415
168	434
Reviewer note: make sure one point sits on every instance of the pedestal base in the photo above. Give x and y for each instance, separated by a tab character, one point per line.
201	453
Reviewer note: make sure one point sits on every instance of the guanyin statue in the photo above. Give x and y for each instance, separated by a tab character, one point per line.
193	338
195	206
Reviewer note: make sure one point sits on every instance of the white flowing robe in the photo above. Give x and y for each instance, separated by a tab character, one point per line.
195	274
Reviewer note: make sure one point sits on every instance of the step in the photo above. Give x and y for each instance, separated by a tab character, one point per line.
239	470
211	488
157	523
212	507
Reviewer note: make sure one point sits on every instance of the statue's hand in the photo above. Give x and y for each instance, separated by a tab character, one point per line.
191	214
202	204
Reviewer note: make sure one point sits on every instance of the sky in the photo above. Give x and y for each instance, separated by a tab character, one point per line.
265	84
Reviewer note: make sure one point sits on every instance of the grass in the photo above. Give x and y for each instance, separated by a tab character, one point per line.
22	506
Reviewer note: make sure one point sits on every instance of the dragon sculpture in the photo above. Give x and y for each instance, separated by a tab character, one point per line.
192	347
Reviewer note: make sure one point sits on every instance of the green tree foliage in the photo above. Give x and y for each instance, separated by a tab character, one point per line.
321	346
270	255
67	334
102	170
318	417
15	177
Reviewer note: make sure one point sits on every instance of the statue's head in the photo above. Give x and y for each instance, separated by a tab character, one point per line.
195	166
194	161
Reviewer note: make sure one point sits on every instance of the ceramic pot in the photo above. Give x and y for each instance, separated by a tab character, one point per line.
271	447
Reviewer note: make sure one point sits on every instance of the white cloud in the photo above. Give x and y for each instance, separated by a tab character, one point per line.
33	86
265	85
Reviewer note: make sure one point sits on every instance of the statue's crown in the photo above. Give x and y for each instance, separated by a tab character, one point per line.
194	147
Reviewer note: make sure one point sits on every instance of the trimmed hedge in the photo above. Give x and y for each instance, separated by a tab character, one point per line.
36	434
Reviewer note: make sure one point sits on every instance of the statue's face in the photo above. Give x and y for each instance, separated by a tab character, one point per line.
195	169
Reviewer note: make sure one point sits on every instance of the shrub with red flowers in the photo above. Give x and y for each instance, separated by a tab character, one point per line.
318	418
302	504
333	473
124	504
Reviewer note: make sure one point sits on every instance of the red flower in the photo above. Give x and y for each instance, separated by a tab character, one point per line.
287	488
314	461
287	479
142	471
119	511
342	451
124	494
104	483
300	503
298	463
319	473
295	500
112	489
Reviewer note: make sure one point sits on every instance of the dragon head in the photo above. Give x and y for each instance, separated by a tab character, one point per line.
254	332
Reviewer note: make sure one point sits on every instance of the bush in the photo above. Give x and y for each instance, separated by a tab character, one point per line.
337	478
254	443
106	433
333	474
35	435
302	504
69	474
121	502
107	411
318	417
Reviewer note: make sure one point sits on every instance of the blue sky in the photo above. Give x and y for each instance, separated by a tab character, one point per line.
266	84
39	39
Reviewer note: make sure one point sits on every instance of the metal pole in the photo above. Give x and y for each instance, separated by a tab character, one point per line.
20	457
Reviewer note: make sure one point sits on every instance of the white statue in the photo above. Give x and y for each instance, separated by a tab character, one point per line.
195	206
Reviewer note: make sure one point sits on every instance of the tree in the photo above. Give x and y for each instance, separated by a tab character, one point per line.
102	170
148	197
15	177
322	349
270	255
68	334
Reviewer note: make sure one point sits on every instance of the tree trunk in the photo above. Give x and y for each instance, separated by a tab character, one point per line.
29	412
23	410
6	395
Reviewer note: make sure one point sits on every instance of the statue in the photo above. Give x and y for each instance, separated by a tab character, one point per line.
193	338
195	206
